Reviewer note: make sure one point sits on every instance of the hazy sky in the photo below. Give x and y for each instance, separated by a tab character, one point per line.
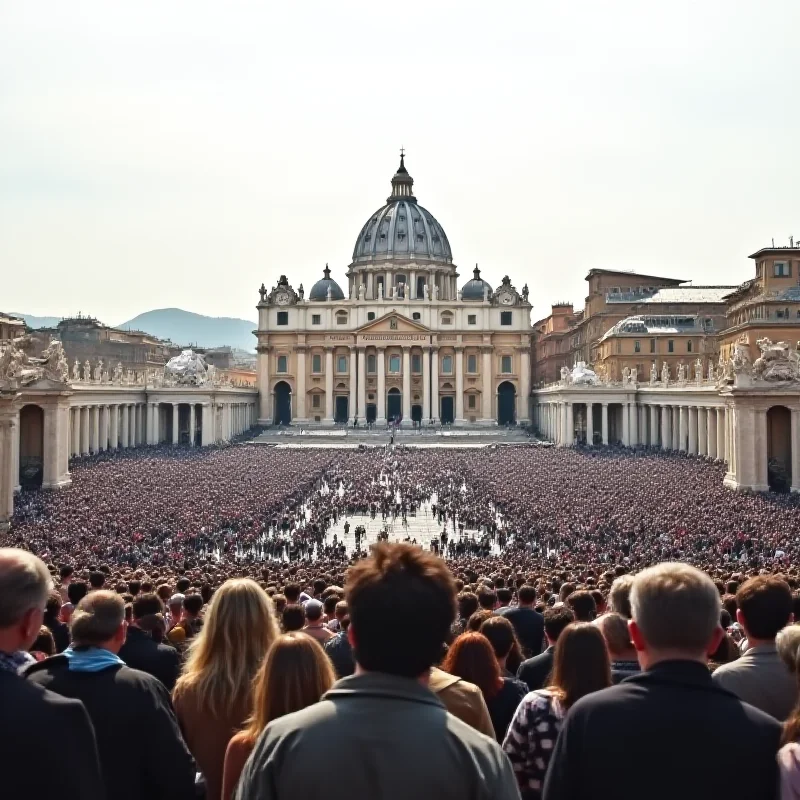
173	153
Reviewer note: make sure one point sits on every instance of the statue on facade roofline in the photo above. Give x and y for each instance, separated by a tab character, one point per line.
118	373
778	362
263	292
98	370
653	373
301	291
76	371
665	373
681	373
581	375
634	376
525	293
711	375
698	370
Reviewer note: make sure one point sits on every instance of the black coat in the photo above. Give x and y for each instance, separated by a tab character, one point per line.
47	744
162	661
529	626
663	734
536	670
142	753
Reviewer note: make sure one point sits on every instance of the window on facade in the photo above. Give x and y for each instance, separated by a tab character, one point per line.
447	318
505	317
341	363
689	346
416	363
394	364
282	363
315	401
472	319
371	365
370	315
652	345
416	315
447	365
505	364
341	318
619	347
283	318
781	269
471	401
316	363
637	346
316	319
472	363
671	346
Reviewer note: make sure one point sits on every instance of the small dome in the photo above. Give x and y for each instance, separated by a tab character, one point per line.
319	291
474	289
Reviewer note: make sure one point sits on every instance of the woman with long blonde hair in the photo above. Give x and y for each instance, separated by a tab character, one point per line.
295	674
213	696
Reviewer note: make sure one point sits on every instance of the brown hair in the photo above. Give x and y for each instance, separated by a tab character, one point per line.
295	674
766	605
471	657
580	663
503	639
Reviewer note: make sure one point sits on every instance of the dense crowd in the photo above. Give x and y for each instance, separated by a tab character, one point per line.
602	623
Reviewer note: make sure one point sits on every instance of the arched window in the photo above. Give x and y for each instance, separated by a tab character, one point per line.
447	318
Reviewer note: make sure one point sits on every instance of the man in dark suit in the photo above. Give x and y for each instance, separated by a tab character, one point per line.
535	671
527	621
33	760
670	723
141	652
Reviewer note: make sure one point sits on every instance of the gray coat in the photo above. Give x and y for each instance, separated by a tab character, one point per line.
380	737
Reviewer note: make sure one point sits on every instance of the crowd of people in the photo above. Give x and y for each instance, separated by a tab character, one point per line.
609	624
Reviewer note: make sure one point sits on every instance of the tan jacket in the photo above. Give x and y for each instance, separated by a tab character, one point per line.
462	699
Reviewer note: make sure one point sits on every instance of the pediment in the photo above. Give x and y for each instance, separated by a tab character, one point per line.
393	322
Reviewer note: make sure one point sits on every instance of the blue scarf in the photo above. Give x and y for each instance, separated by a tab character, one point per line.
91	659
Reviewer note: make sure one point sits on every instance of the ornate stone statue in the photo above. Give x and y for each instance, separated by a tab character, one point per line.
17	368
525	293
681	373
301	291
698	370
76	371
626	376
98	371
263	292
188	369
740	362
87	371
665	373
634	376
564	375
435	292
711	375
118	373
581	375
777	363
362	291
425	292
653	373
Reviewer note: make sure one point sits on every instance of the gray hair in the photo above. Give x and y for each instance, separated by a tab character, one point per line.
788	643
619	596
25	583
97	618
676	607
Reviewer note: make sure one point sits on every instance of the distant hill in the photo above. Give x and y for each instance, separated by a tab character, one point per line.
37	322
186	327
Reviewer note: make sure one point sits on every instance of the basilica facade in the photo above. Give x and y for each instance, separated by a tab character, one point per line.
404	342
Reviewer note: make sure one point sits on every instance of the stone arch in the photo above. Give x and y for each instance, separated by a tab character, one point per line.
31	446
283	403
506	403
779	448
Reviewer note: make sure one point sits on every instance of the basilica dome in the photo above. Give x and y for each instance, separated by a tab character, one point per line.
474	289
319	291
402	229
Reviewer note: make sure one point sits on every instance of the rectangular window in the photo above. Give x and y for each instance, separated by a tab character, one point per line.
316	319
341	319
472	363
505	317
416	364
781	269
472	319
370	315
316	363
505	365
447	365
394	364
689	346
283	318
341	364
652	345
371	365
282	362
315	401
637	346
471	401
671	346
416	315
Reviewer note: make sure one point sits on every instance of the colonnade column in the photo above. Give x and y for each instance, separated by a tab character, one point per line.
676	419
702	431
691	412
206	426
653	441
426	384
262	366
8	424
435	384
633	428
175	419
683	429
666	428
132	432
362	383
301	384
94	433
589	425
352	408
722	443
123	410
191	425
486	399
84	430
103	428
795	434
626	435
570	415
381	359
328	385
149	424
459	354
113	439
604	424
76	431
711	425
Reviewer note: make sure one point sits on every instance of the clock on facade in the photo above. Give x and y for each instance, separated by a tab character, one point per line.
505	298
282	298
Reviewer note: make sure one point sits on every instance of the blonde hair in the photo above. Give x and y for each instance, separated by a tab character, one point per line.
295	674
224	656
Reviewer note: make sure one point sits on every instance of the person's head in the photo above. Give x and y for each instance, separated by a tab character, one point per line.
134	587
477	619
294	675
76	591
99	621
224	656
467	604
619	596
340	612
504	596
565	591
164	592
175	606
580	663
280	603
764	607
599	601
44	642
555	620
526	595
583	606
614	628
292	592
788	644
402	604
675	611
487	598
314	611
96	580
500	633
182	585
329	605
146	604
25	585
472	658
293	617
52	607
193	605
65	574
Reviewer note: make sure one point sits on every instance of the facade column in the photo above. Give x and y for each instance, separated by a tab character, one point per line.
524	399
352	369
653	441
487	393
666	428
435	385
76	431
459	354
175	419
103	428
191	425
722	429
149	424
692	415
123	439
206	425
626	433
589	425
795	433
362	382
328	386
381	363
94	432
711	425
426	384
604	424
301	384
132	425
264	394
8	480
406	386
570	425
84	430
676	437
702	431
113	439
633	425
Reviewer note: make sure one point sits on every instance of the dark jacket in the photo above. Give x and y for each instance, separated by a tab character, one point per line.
60	633
47	744
142	753
674	735
529	626
159	660
535	671
340	652
389	738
